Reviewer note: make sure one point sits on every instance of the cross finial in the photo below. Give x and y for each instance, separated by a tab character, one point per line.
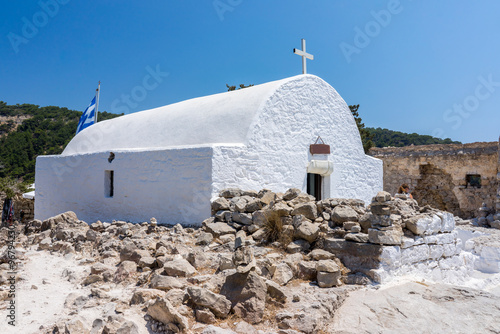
304	55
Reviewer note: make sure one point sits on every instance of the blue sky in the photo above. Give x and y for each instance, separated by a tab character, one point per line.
430	67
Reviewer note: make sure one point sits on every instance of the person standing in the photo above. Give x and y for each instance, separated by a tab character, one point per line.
405	189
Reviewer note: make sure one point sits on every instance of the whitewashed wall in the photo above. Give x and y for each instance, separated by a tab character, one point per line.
253	138
174	186
277	150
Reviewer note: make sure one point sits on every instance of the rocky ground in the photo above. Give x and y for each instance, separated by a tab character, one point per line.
257	266
418	307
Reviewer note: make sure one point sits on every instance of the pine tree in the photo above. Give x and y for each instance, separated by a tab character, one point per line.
366	136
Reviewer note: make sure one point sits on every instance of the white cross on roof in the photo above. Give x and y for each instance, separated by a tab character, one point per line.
304	55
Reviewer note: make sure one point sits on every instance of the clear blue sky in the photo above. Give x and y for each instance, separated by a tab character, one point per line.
430	67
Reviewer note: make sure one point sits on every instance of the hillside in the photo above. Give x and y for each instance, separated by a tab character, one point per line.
378	137
385	137
27	130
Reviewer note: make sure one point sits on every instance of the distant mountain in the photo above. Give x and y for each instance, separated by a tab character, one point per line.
27	131
384	137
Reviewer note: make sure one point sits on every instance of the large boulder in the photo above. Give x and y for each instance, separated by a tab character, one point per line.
357	237
247	293
343	213
274	290
329	274
230	193
253	205
380	209
76	326
163	311
382	196
389	236
128	252
242	218
321	254
282	273
220	204
297	246
291	194
218	304
267	196
141	296
218	229
281	209
179	267
205	316
259	218
204	238
308	210
307	270
302	198
422	224
125	270
166	283
244	259
307	231
239	203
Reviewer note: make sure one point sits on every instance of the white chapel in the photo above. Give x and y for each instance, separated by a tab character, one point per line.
170	162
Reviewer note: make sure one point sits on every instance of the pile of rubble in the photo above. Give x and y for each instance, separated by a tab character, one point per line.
487	218
392	236
269	262
179	279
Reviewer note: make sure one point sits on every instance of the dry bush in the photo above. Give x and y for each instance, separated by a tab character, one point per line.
273	226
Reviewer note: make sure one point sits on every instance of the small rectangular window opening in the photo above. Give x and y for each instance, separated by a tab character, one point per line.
109	183
473	180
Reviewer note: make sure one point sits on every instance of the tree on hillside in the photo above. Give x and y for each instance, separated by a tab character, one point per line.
385	137
366	136
231	88
46	130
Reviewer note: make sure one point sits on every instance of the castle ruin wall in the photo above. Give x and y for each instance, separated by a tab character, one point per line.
456	177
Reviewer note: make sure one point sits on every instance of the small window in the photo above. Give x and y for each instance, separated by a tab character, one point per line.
473	180
314	185
109	183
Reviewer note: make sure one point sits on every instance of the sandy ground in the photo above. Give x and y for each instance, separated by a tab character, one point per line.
42	290
44	285
403	306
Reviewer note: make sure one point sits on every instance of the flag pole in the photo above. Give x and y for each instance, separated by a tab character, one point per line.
98	90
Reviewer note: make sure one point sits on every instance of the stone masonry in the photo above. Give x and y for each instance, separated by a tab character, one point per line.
24	209
456	178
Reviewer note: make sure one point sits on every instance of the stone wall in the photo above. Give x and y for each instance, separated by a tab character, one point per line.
24	209
393	236
445	176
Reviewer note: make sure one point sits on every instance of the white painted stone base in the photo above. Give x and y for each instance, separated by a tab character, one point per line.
456	269
486	254
439	257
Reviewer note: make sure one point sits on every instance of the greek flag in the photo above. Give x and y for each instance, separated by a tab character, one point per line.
88	117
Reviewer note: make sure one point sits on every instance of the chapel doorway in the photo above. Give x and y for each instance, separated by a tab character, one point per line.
314	185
